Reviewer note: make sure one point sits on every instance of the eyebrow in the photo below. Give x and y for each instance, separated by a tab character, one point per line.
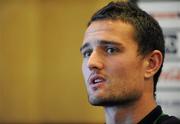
101	42
84	46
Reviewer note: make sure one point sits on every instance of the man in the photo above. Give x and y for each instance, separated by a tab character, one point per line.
123	54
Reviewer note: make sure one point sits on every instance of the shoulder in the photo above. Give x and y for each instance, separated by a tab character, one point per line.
166	119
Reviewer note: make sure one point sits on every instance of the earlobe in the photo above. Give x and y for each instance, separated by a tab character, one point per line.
153	63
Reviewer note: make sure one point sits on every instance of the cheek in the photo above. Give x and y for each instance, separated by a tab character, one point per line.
85	71
125	71
117	69
124	80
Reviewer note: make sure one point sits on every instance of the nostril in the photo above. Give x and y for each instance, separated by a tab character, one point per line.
97	65
92	67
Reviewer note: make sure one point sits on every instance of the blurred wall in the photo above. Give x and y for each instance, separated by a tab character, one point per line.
40	62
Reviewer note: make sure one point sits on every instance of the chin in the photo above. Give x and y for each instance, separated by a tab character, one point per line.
112	101
102	102
95	101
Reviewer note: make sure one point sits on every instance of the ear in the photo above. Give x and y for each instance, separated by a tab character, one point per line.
152	63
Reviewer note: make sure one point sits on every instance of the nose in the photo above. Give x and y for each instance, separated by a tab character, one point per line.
95	61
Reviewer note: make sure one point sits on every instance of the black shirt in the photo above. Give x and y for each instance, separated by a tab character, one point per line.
156	116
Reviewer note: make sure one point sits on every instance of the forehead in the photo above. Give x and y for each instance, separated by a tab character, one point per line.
112	30
108	25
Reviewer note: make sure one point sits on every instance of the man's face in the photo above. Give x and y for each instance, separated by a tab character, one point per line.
112	68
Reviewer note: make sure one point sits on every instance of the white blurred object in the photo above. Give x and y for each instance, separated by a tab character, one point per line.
167	13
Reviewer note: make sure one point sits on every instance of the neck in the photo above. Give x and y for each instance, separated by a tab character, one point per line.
132	113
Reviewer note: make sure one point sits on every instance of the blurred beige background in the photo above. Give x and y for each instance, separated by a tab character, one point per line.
40	62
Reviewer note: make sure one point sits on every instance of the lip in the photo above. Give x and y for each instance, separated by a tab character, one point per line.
100	81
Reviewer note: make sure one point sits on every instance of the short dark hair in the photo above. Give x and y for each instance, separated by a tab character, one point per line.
148	33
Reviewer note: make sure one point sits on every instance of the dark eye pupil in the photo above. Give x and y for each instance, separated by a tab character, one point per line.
110	50
87	54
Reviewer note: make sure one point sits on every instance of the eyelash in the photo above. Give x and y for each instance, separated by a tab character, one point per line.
87	53
113	50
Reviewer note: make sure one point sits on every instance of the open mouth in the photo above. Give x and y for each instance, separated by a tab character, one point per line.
96	82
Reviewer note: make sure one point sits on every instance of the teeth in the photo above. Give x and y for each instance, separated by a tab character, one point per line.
97	80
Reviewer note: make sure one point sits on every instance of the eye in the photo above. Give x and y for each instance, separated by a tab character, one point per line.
87	53
111	50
